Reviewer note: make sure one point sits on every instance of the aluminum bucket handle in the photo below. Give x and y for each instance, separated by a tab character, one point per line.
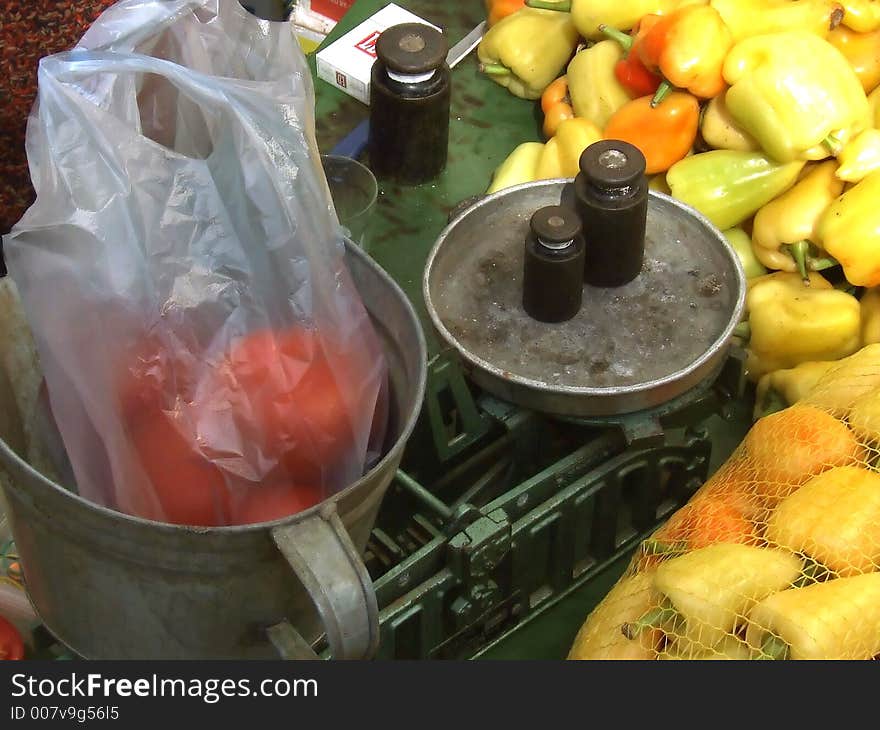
323	557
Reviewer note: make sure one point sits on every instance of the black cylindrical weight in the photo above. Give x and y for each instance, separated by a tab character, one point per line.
611	191
553	267
409	104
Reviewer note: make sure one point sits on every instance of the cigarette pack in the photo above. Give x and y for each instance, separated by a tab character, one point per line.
346	63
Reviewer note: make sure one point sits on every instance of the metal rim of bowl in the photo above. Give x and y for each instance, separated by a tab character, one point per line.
540	386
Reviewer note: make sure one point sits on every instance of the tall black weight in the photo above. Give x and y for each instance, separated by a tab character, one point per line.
409	104
611	193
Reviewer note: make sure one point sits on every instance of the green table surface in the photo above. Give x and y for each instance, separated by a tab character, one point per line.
486	123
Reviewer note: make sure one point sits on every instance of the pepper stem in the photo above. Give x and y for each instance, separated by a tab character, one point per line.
563	6
658	547
743	330
833	143
774	648
661	93
624	39
494	69
799	252
825	262
654	619
772	402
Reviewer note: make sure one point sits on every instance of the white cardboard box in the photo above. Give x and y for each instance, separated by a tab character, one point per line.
346	63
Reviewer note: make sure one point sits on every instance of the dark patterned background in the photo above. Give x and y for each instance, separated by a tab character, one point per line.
29	30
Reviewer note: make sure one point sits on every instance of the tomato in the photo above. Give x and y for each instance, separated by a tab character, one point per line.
290	398
273	501
190	488
11	643
151	379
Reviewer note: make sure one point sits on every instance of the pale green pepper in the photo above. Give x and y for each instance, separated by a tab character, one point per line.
728	186
741	242
595	92
796	94
527	50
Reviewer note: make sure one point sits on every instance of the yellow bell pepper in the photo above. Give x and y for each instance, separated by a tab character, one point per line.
864	418
834	519
791	323
874	107
837	619
595	92
861	15
706	592
600	636
747	18
730	648
562	152
519	166
527	50
849	381
849	230
870	305
785	387
742	244
862	50
588	15
658	183
783	229
860	157
720	130
795	94
835	386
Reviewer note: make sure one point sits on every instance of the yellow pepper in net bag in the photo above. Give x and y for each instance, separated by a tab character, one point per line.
777	556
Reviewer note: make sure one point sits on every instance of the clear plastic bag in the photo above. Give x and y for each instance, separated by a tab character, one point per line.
207	357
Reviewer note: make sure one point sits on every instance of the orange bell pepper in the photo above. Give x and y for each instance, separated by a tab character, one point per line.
790	446
687	47
664	133
556	105
705	521
725	509
498	9
862	50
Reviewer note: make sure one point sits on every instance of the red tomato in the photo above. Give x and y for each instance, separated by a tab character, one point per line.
150	380
284	383
11	643
190	488
274	501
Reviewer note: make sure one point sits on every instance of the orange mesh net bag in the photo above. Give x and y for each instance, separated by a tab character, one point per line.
777	556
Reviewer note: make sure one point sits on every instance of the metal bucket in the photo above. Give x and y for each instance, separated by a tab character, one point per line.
112	586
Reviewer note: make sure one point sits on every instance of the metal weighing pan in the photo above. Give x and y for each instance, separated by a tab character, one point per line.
629	348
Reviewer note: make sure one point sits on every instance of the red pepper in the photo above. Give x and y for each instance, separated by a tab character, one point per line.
11	643
632	74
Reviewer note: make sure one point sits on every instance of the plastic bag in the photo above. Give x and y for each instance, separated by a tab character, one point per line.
777	555
207	357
